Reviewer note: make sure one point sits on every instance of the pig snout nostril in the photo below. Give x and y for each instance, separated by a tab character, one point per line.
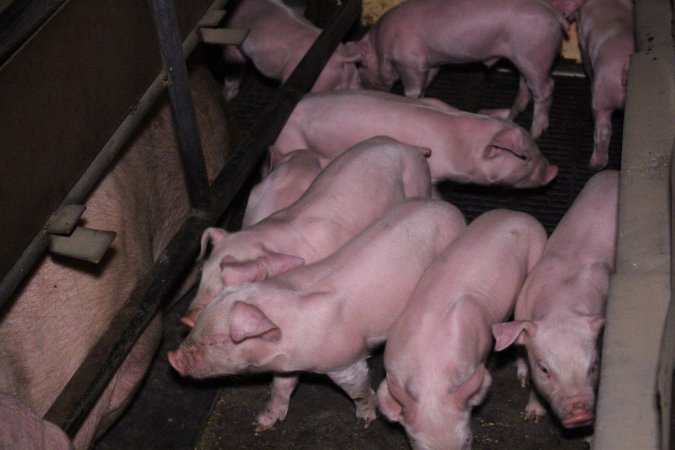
175	361
188	320
580	415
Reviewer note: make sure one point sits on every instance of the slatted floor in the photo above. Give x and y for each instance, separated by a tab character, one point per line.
173	413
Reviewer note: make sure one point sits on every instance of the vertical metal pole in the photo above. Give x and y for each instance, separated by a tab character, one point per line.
181	102
78	397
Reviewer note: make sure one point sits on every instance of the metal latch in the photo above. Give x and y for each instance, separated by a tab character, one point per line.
220	36
68	239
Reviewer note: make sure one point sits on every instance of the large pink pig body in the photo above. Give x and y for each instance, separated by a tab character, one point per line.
412	40
49	327
352	192
22	429
560	310
278	39
282	187
465	147
436	351
323	317
606	38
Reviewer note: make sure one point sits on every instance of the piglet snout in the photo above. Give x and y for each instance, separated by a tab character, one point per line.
579	416
176	361
190	318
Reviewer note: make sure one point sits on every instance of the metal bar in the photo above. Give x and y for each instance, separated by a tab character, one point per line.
78	397
96	169
185	122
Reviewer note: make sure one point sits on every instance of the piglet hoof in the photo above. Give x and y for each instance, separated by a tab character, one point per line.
534	412
524	381
537	130
598	163
266	420
530	416
365	410
367	421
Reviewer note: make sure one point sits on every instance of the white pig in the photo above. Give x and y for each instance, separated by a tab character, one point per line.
22	429
606	38
413	39
349	194
282	187
50	325
466	147
560	311
436	351
323	317
278	39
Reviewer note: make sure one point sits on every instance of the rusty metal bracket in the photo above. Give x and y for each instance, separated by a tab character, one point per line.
68	239
83	243
211	33
64	220
224	36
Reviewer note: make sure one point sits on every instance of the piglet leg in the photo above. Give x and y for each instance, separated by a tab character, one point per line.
415	80
277	405
542	95
522	371
602	135
519	104
355	381
236	64
534	410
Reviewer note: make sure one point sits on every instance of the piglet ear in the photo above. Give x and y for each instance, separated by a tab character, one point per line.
550	174
350	56
508	140
506	333
278	263
357	50
473	391
248	321
235	272
392	400
387	404
213	235
567	7
259	269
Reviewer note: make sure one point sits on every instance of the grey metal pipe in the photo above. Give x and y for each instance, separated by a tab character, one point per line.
83	390
184	119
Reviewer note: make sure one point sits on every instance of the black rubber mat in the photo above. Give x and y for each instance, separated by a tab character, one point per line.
171	413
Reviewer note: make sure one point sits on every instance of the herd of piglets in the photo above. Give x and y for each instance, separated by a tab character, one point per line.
414	39
343	249
435	290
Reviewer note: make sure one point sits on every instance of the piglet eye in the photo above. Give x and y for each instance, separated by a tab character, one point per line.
543	369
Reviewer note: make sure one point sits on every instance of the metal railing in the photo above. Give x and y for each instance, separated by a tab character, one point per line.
78	397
